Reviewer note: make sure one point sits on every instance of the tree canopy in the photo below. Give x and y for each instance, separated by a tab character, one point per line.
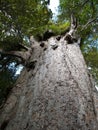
20	19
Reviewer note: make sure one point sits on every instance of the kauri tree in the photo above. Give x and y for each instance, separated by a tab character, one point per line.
55	90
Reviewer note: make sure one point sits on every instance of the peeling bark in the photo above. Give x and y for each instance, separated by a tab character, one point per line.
56	94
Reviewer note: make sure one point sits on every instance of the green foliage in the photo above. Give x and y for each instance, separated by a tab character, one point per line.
83	10
6	81
90	52
10	43
59	28
18	17
91	57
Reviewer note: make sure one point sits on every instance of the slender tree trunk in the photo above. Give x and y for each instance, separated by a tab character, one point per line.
54	93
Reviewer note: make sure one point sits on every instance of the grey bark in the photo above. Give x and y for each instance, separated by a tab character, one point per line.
55	93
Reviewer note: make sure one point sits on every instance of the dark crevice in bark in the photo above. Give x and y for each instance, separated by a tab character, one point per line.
42	44
58	38
31	65
4	125
69	39
54	47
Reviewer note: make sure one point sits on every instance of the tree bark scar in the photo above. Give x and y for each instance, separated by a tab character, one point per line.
54	47
31	65
58	38
69	39
42	44
48	34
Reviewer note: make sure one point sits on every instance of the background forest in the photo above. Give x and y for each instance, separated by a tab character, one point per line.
20	19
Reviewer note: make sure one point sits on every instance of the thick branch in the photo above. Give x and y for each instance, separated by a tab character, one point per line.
73	22
11	53
24	47
24	56
73	27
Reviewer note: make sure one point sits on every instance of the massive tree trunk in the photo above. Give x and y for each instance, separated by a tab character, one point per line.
55	91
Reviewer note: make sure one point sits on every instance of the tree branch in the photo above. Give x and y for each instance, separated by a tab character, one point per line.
73	22
84	3
73	25
24	47
24	56
11	53
88	23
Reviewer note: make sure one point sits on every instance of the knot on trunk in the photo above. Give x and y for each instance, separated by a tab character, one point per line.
70	39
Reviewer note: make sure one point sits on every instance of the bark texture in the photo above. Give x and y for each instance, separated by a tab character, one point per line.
54	93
